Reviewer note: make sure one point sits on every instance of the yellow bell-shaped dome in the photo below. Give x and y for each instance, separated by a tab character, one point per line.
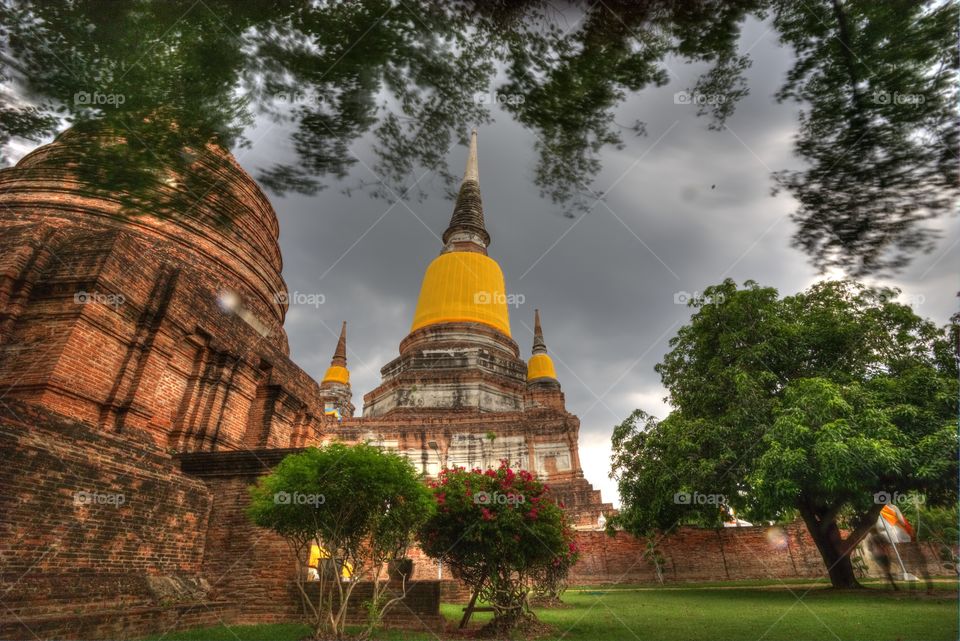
540	366
463	287
337	374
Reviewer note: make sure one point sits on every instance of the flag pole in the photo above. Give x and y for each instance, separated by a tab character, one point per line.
886	529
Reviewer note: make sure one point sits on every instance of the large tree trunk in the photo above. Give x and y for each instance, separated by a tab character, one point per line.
834	549
829	543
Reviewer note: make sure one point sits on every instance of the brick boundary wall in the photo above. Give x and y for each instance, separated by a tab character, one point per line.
698	554
419	609
725	554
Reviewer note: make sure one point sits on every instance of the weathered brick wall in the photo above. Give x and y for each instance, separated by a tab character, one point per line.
691	554
253	567
119	319
419	607
164	360
244	563
123	623
93	522
695	554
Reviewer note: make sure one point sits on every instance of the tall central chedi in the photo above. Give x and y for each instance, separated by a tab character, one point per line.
459	393
459	354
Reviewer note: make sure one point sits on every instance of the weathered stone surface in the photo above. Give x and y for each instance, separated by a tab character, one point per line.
540	439
93	521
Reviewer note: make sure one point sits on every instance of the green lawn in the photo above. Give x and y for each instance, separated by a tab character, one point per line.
730	612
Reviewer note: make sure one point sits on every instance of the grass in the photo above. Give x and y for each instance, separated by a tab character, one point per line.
727	612
802	583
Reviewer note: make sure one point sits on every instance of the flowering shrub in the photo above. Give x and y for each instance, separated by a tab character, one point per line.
500	532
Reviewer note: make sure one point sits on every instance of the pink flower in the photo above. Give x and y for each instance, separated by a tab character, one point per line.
487	514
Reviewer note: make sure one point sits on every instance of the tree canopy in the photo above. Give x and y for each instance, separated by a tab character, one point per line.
876	84
362	506
814	404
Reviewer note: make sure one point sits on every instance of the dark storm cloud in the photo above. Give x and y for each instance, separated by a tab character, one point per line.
686	207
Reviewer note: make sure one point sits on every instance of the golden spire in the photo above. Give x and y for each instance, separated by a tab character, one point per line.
340	354
338	372
540	367
466	225
539	347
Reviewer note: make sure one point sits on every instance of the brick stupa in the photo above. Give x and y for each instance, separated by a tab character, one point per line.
459	394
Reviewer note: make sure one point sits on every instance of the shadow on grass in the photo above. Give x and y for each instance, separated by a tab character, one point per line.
694	613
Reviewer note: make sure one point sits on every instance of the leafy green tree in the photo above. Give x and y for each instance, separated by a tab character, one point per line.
936	524
498	530
939	526
816	404
877	82
415	74
361	505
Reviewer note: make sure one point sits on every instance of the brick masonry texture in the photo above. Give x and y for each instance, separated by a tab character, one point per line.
694	554
166	328
67	559
117	350
124	622
697	555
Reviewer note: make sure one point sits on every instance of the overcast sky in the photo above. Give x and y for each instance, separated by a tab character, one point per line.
685	207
